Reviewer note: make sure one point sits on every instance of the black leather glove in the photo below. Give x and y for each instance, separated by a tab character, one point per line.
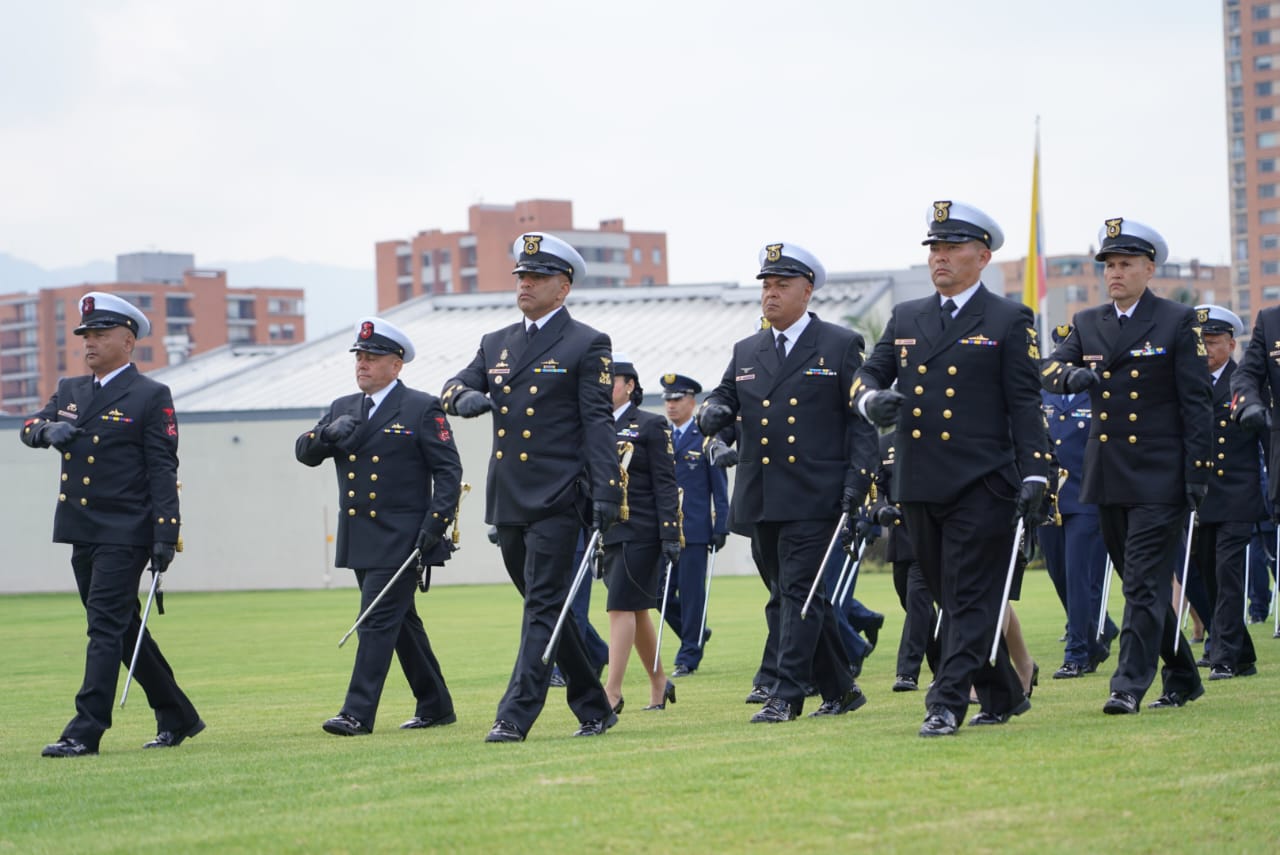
713	418
1195	495
882	407
671	552
1030	504
162	556
865	529
719	540
604	514
1253	417
1078	379
493	534
721	455
339	429
850	500
888	516
471	403
426	542
58	434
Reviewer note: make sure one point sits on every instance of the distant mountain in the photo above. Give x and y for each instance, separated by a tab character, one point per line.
335	296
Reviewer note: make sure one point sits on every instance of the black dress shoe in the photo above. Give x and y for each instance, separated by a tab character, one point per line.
682	671
617	708
1221	672
1247	670
906	683
504	731
1202	662
557	679
759	694
873	627
345	725
68	747
1068	671
418	722
846	703
1035	678
985	717
1121	703
174	738
940	721
668	695
597	726
1169	700
775	710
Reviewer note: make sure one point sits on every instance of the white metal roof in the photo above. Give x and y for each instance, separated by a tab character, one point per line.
687	329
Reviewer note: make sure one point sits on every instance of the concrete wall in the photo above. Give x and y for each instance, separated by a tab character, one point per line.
253	517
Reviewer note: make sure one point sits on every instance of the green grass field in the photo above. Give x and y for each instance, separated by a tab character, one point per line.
264	670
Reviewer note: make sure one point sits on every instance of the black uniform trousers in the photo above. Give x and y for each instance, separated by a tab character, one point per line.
1219	553
767	674
107	577
1145	542
394	625
917	642
810	648
539	559
963	548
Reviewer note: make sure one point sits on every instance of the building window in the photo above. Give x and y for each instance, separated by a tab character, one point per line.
1237	148
1266	191
1242	250
1269	242
1265	114
240	335
177	307
142	301
1237	97
1237	121
1242	277
1263	89
445	257
1266	164
1076	294
1239	197
426	258
1234	73
1271	268
1268	139
59	310
1261	11
657	255
1262	37
239	310
177	328
1242	298
637	255
1269	217
1233	46
402	265
1241	223
1237	173
284	306
145	354
62	360
1261	63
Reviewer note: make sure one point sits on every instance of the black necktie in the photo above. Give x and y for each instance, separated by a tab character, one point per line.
532	331
782	347
368	407
1122	319
97	387
947	309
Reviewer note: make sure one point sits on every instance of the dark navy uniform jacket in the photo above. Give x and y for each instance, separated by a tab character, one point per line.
120	472
651	480
553	434
1235	485
1069	417
798	444
1151	428
705	488
397	474
897	544
1258	379
972	398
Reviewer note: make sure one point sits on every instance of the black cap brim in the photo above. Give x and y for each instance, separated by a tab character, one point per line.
784	271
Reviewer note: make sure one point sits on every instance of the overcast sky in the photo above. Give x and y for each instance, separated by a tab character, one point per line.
245	129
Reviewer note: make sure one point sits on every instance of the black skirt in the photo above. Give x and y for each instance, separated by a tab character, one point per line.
633	575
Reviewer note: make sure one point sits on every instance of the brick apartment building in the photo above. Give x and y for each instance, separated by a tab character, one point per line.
191	311
1074	282
479	259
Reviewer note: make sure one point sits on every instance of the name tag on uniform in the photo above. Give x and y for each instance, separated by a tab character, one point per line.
1088	357
67	414
500	368
741	378
903	341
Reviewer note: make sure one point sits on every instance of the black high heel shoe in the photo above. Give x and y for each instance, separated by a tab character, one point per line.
669	694
617	708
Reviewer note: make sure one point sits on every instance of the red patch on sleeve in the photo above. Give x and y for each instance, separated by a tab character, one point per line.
442	429
170	426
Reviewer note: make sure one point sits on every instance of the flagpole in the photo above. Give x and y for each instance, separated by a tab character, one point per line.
1034	286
